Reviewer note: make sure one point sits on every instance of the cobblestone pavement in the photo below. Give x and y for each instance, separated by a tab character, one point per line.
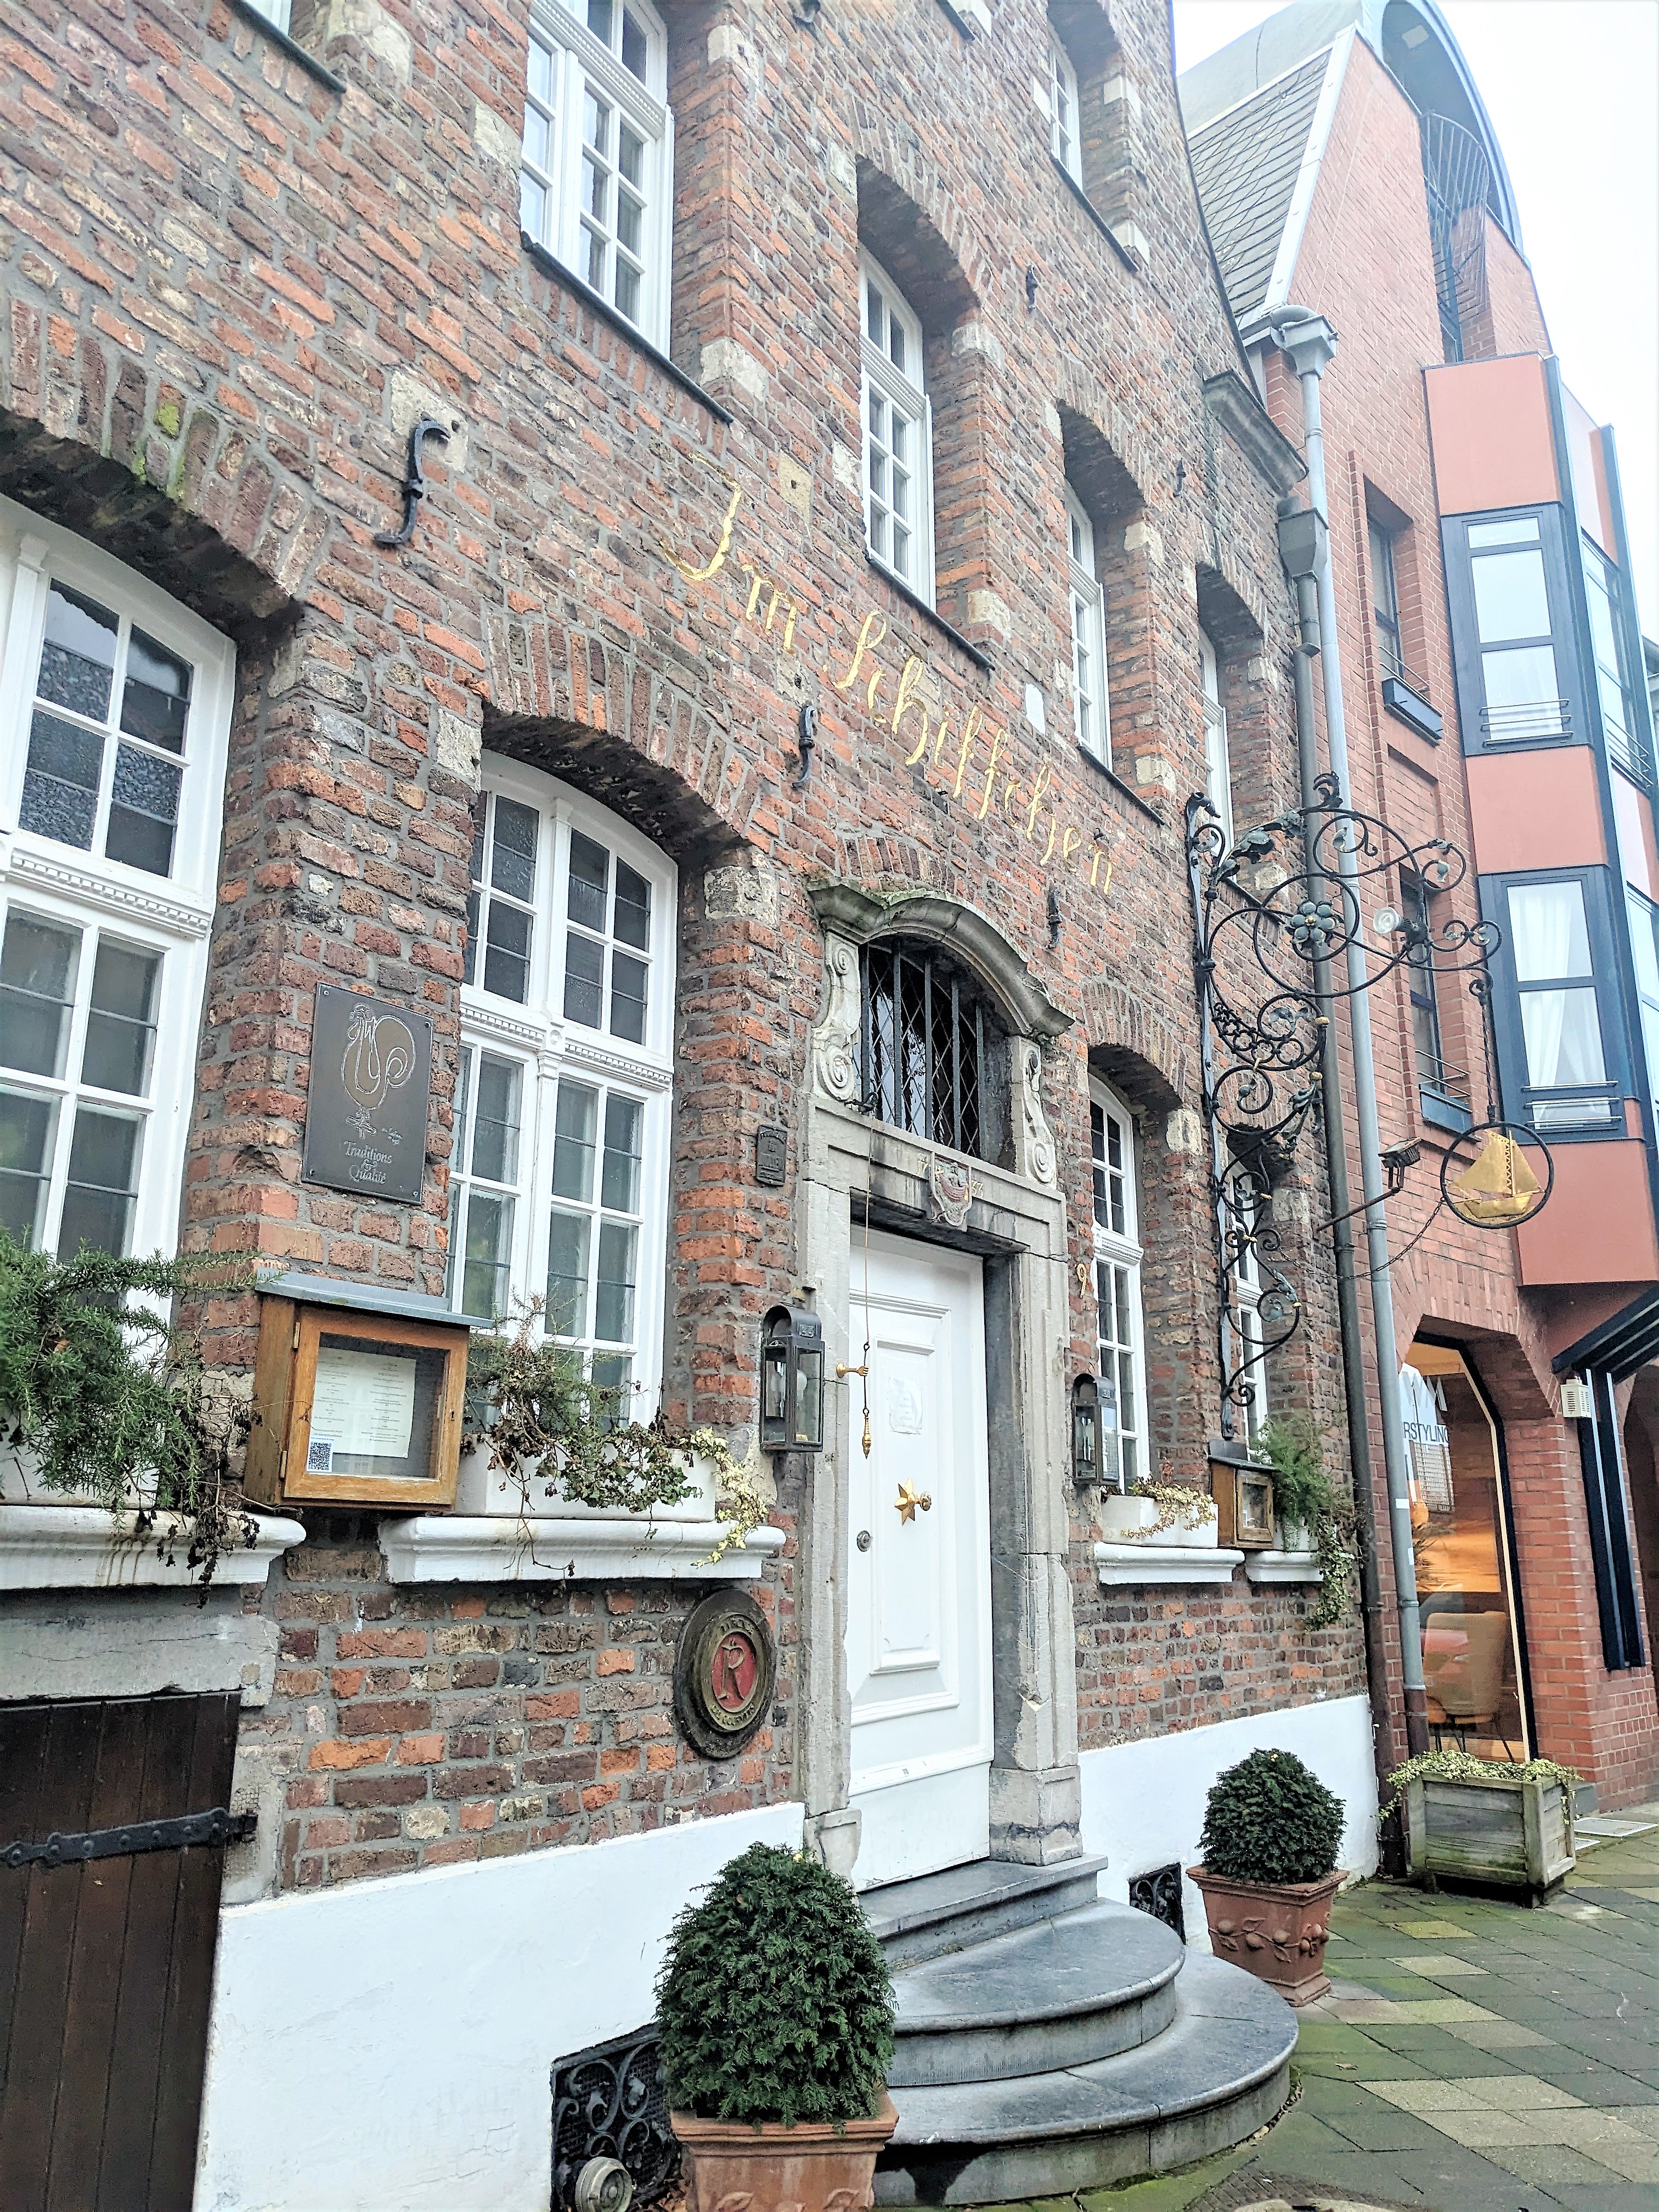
1472	2056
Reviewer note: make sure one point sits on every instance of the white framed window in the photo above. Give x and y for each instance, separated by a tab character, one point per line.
1117	1283
274	11
114	714
1090	706
1241	1214
559	1179
1063	110
1217	763
597	184
898	433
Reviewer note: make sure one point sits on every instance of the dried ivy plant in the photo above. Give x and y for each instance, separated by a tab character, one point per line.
1449	1765
103	1396
540	1419
1178	1506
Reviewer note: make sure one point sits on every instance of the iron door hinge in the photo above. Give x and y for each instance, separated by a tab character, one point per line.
218	1827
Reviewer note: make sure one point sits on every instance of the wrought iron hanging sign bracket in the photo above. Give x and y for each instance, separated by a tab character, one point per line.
1278	906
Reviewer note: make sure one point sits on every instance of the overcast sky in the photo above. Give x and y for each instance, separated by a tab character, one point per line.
1572	90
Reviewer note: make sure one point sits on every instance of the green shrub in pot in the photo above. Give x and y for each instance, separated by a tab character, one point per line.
775	2002
1270	1819
1272	1833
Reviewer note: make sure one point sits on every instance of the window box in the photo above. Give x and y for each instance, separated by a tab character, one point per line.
1441	1112
1404	704
497	1548
1294	1561
1135	1552
1512	1834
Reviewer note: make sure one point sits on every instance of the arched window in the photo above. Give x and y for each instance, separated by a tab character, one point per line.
933	1062
898	433
114	709
597	186
1117	1283
559	1178
1090	706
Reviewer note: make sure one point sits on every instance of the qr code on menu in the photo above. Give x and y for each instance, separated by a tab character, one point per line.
319	1458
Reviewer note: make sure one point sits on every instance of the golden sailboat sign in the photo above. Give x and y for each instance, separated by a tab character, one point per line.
1497	1188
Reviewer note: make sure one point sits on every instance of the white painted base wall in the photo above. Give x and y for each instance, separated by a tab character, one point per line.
1143	1804
385	2046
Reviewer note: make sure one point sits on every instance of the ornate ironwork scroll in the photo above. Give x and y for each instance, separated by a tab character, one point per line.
1266	909
1158	1894
608	2102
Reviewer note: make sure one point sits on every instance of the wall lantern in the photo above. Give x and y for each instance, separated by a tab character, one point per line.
792	1380
1086	1431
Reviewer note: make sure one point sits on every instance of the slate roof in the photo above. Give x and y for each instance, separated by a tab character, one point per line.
1245	164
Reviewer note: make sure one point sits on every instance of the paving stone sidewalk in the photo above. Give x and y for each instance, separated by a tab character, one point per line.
1472	2056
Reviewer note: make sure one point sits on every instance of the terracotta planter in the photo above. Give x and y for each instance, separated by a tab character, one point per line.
1278	1932
811	2168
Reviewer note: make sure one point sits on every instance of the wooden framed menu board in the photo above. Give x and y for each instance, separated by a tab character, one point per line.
356	1409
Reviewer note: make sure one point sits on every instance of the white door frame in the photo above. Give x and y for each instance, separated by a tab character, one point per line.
1017	1222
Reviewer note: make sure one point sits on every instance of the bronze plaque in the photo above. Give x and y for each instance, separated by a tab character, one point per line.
371	1083
771	1158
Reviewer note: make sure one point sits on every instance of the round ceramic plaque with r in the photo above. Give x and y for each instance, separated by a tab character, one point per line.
725	1670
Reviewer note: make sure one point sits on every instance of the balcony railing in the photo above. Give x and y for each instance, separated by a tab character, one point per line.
1443	1092
1533	718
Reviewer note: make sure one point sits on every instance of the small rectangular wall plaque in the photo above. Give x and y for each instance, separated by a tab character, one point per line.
371	1084
771	1158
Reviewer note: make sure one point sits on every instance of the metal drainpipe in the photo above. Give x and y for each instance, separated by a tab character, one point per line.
1309	342
1303	549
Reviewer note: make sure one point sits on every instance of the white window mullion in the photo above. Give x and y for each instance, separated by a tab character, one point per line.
897	432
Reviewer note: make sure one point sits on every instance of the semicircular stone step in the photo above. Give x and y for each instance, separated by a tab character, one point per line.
1062	1993
1219	2072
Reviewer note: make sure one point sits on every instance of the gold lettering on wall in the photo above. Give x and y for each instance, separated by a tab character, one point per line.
1032	809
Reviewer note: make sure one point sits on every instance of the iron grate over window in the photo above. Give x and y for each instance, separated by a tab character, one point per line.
927	1034
1159	1894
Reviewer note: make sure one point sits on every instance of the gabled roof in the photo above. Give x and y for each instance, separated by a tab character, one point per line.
1246	163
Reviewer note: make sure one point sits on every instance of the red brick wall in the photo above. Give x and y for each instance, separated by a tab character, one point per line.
227	289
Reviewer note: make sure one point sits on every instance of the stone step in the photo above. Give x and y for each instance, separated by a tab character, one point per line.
1062	1992
1219	2072
936	1913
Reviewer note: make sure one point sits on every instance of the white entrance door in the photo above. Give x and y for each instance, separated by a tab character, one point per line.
918	1600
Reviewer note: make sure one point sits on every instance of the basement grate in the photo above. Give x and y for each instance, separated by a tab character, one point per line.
609	2102
1159	1893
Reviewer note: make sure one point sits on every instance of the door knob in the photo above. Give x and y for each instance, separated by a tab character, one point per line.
909	1501
862	1539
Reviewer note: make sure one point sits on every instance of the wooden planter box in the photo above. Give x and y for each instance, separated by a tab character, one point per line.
1509	1834
812	2168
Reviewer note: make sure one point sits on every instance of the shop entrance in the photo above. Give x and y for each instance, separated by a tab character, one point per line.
1473	1666
919	1591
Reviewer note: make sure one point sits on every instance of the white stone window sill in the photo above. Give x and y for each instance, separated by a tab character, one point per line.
440	1547
85	1547
1283	1567
1120	1566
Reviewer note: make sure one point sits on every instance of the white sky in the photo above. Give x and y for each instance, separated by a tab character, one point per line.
1572	90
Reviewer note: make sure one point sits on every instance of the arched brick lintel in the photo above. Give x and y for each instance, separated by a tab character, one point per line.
157	478
567	702
1134	1045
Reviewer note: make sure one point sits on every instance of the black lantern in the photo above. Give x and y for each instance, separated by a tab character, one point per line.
1086	1431
792	1380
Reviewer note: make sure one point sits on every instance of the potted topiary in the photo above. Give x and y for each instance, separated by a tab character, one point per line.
775	2009
1272	1831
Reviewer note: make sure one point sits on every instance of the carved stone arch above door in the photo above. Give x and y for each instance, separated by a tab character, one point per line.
863	918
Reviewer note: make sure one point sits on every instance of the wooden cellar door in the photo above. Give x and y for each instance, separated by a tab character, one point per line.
106	1945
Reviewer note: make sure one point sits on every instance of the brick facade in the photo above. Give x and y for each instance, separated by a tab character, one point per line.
231	287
